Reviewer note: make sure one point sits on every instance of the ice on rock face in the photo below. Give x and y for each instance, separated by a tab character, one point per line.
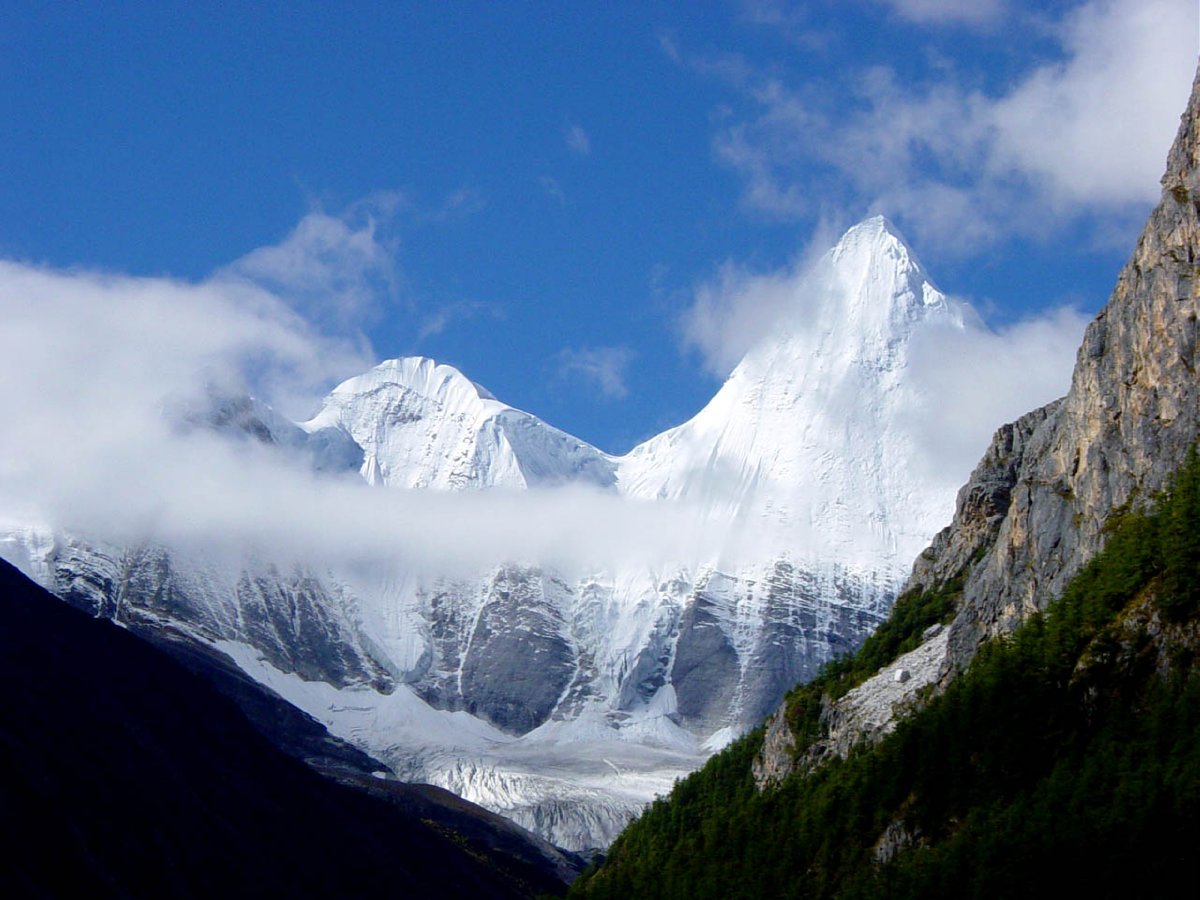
567	702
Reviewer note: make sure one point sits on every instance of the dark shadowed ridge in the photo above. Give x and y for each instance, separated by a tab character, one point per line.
125	775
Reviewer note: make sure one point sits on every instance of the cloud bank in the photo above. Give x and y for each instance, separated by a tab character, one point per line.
94	364
97	365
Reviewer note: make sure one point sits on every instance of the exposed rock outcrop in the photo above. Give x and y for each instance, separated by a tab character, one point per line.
868	712
776	760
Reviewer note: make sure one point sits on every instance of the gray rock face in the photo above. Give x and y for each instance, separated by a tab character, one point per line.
705	671
293	619
1035	509
800	632
776	760
733	648
519	662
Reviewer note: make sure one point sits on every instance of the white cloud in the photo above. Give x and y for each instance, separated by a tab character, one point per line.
578	140
738	308
948	12
336	271
602	368
1094	130
978	379
1086	134
89	362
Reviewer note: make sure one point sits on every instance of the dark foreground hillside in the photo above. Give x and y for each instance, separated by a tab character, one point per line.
1064	761
125	775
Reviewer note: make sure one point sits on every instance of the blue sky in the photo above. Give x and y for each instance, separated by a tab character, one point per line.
540	193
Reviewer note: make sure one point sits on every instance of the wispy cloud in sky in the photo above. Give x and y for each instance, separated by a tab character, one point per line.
552	188
602	369
738	308
448	314
338	271
1085	135
942	12
578	141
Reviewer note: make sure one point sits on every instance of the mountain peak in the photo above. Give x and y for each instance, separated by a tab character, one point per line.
1183	161
420	374
874	249
822	401
876	225
424	424
864	294
878	233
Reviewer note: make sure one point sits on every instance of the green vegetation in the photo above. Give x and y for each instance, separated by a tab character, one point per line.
1065	760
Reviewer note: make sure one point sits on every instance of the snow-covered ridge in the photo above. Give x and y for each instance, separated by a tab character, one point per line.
422	424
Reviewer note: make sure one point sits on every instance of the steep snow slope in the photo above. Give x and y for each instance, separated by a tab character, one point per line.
567	700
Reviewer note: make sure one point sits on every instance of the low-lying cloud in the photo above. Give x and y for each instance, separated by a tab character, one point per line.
97	367
93	366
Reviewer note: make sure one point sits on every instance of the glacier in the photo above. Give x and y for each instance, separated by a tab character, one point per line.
567	699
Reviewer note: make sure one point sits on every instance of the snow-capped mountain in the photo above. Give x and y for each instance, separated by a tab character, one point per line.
424	425
566	700
811	428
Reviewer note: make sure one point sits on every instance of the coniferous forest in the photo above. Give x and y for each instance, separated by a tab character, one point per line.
1066	759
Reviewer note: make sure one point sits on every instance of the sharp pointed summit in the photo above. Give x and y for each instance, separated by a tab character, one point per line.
811	426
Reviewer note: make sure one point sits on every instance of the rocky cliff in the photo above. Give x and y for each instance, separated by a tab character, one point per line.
1050	481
